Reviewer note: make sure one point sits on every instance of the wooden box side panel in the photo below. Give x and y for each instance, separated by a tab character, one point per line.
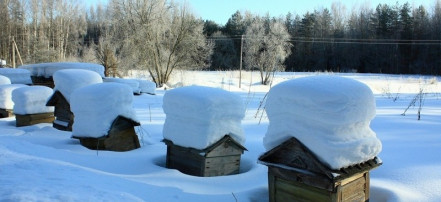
286	190
5	113
31	119
182	159
225	149
222	165
356	189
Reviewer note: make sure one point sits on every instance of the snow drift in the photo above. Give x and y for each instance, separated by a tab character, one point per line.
97	106
199	116
329	114
4	80
31	100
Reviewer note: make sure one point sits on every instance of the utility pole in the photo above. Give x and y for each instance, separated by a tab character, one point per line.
240	63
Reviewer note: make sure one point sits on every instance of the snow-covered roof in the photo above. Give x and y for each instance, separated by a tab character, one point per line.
48	69
134	84
4	80
97	106
67	80
199	116
31	100
329	114
6	95
17	76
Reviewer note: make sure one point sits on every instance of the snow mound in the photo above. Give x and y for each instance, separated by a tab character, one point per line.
97	106
147	86
199	116
67	80
6	95
130	82
31	100
4	80
17	76
47	70
329	114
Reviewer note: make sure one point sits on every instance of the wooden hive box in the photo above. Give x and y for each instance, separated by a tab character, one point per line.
43	81
121	137
5	113
63	115
31	119
221	158
295	174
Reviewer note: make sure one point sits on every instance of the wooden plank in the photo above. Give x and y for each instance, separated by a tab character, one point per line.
227	148
225	165
293	191
355	190
5	113
31	119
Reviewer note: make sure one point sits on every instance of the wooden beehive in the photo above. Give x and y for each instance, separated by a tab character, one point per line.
43	81
31	119
121	137
295	174
221	158
63	115
5	113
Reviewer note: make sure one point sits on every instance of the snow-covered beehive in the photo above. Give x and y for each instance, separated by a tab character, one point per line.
42	73
6	103
66	81
104	117
319	139
17	76
134	84
30	105
205	122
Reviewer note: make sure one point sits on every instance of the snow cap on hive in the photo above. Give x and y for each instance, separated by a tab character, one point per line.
96	106
329	114
6	95
4	80
198	117
47	70
31	100
67	80
17	76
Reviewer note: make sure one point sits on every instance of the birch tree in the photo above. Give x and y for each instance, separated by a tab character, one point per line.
266	47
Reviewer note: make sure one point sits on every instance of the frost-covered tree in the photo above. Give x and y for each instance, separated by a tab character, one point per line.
161	36
266	46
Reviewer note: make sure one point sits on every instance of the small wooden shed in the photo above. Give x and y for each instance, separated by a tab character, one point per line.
295	174
221	158
63	115
121	137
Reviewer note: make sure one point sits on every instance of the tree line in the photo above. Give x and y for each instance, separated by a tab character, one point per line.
160	36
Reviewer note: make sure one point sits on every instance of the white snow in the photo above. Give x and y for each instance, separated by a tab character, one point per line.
198	116
134	84
40	163
4	80
146	86
17	76
47	70
6	95
68	80
31	100
329	114
96	106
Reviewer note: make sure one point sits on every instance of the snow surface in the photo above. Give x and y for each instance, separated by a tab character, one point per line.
17	76
134	84
6	95
198	116
4	80
96	106
68	80
31	100
40	163
329	114
47	70
146	86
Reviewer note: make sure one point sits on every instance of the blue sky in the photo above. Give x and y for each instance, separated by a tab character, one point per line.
221	10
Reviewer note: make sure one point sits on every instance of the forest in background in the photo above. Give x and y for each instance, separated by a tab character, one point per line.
128	34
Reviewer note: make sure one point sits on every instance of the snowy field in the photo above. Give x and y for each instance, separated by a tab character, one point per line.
40	163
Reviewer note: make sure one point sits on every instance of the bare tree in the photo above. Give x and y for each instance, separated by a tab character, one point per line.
266	47
163	36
